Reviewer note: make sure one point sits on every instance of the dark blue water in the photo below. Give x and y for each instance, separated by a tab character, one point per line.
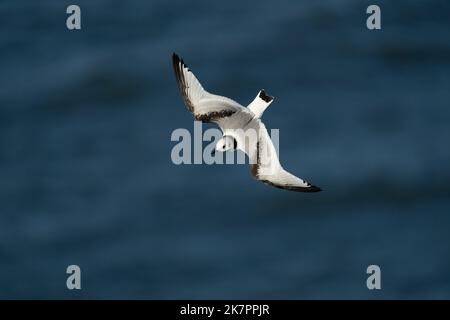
86	176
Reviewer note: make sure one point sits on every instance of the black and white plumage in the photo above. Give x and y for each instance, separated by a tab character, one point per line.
235	120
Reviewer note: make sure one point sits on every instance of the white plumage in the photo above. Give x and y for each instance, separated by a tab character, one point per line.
237	122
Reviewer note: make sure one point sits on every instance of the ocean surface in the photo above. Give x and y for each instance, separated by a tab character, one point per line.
86	176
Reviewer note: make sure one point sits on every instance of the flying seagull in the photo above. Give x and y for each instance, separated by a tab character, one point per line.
235	120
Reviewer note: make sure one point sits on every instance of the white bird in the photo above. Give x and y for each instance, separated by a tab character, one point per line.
236	121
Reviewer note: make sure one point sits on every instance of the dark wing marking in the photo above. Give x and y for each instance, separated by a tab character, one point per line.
279	178
264	96
311	188
203	105
178	66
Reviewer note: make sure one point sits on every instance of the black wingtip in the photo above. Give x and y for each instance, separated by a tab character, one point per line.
264	96
176	59
176	67
314	189
177	62
309	188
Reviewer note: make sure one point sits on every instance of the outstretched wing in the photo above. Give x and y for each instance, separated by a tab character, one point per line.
203	105
269	170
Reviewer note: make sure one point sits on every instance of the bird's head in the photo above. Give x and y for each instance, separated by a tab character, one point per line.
226	143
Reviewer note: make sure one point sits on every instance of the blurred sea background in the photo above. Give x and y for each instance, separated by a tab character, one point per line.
86	176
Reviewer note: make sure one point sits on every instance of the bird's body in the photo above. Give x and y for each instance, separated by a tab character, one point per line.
241	126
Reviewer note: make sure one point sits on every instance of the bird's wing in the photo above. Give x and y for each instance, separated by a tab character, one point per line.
267	167
203	105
